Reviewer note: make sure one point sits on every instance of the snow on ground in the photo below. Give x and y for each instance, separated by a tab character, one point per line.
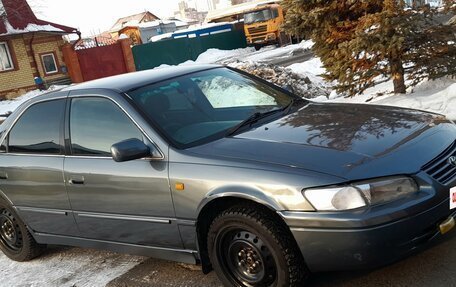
271	52
216	55
312	69
248	54
67	267
435	96
297	83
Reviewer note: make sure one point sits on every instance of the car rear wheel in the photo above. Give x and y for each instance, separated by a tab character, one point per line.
16	242
248	248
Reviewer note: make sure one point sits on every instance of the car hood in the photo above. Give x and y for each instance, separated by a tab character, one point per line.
344	140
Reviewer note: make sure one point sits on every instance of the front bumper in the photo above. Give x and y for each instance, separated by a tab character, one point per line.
369	239
262	39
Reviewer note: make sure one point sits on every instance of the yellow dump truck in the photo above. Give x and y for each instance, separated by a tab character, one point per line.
262	26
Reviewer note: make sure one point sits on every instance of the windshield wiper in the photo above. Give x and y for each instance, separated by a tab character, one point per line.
256	117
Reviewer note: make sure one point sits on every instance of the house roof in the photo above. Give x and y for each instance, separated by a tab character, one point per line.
132	20
16	17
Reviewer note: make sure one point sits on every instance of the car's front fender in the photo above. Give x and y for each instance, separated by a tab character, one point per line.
275	197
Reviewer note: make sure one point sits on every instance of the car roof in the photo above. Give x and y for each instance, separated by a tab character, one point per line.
130	81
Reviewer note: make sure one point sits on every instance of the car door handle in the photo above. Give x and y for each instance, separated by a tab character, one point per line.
3	175
76	181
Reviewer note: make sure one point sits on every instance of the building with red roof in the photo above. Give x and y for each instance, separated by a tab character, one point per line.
30	48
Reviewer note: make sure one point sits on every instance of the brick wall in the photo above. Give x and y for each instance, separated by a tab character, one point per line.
27	50
22	76
49	44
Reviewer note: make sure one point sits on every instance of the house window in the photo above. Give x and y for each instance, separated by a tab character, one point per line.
49	63
6	62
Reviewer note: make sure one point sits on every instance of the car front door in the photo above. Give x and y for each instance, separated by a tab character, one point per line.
128	202
31	168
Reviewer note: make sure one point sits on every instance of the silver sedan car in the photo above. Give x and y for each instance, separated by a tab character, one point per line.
212	166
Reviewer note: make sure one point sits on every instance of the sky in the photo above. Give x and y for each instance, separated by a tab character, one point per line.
94	16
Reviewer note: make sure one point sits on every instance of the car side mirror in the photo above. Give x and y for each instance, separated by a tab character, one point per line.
130	149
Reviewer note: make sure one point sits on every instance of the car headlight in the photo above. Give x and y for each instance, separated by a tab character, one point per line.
360	194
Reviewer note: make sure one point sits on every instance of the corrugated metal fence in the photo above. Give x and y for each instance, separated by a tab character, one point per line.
176	51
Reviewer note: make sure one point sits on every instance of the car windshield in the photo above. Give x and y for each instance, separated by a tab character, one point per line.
201	107
258	16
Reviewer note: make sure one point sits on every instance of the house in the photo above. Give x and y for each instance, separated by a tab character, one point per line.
143	26
30	48
103	39
160	27
129	25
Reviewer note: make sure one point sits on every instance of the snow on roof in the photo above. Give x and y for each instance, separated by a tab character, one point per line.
132	20
20	19
179	22
10	30
204	26
237	9
160	37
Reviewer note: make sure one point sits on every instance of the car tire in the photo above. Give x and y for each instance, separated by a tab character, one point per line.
249	248
16	242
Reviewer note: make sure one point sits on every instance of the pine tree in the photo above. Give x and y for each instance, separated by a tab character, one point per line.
360	41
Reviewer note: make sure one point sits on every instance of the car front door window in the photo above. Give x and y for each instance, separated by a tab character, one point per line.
96	124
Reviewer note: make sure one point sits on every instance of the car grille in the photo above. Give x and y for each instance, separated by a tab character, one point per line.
259	29
440	168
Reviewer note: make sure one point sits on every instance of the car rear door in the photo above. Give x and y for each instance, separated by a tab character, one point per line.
128	202
31	168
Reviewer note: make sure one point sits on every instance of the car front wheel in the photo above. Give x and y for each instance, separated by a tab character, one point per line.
16	242
247	247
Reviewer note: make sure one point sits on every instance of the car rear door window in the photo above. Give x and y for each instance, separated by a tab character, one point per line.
96	124
38	129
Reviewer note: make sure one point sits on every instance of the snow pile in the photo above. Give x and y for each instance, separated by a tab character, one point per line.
67	267
271	52
299	84
215	55
312	69
10	105
249	54
265	54
435	96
